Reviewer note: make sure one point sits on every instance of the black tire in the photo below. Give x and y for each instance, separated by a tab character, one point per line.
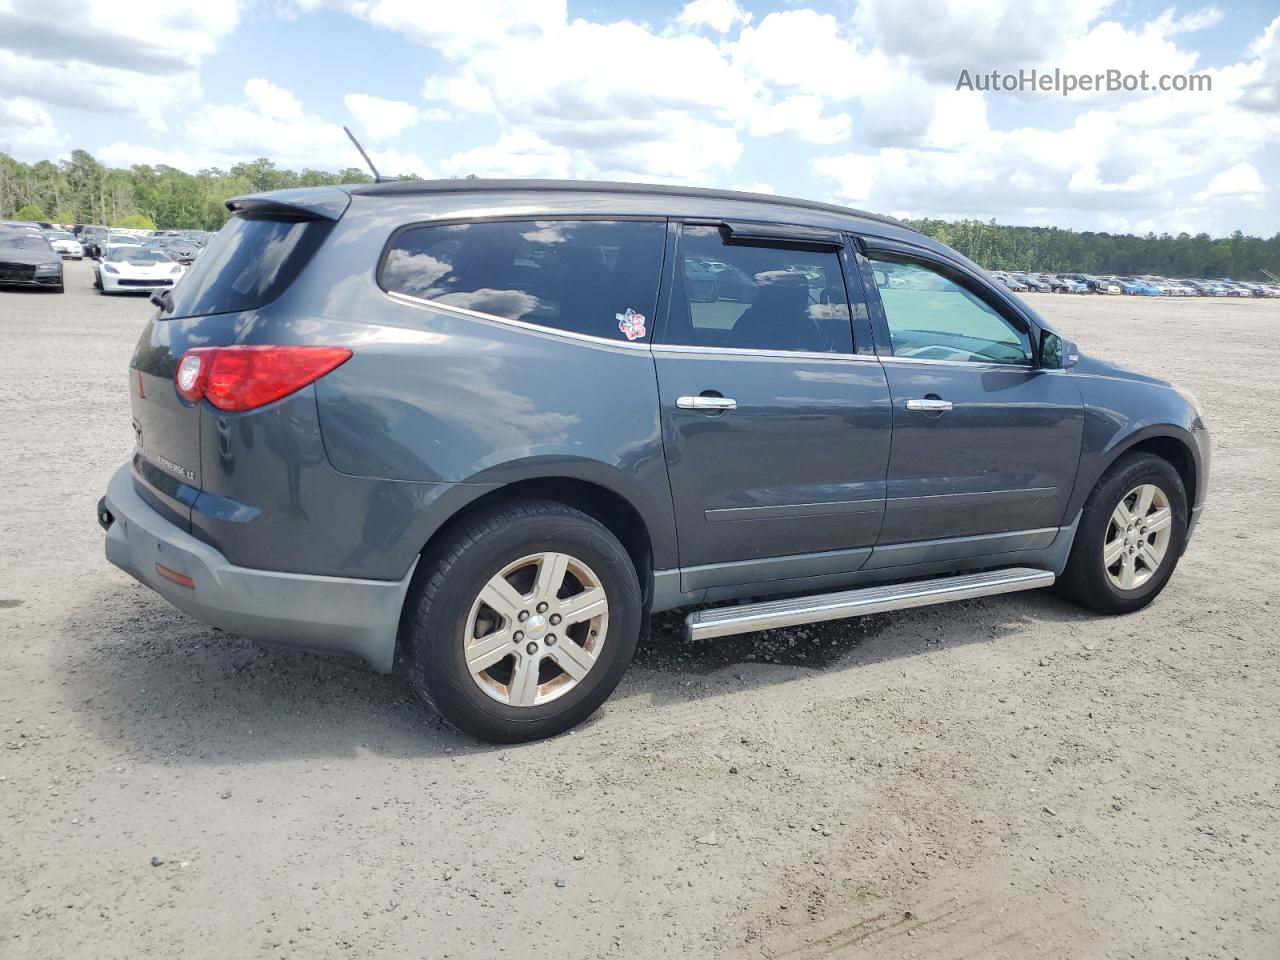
452	574
58	289
1085	580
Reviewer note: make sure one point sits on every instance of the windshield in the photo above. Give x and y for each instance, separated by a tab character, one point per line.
133	255
23	241
59	235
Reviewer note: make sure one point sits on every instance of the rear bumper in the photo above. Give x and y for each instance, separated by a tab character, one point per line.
322	614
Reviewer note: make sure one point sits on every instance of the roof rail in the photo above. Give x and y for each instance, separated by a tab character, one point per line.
392	188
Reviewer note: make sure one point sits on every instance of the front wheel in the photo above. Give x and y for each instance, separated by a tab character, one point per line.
1132	532
523	622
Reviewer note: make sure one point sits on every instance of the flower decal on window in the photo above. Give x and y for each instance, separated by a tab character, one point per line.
631	324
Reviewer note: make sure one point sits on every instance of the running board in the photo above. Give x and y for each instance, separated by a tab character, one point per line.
771	614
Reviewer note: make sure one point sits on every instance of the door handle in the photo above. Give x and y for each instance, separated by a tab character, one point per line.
929	405
706	403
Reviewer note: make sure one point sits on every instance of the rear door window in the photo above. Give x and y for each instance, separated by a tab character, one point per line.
247	264
594	277
757	297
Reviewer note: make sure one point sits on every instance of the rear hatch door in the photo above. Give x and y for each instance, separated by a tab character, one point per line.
248	264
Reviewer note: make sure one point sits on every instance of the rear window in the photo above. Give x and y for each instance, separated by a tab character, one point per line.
247	264
596	277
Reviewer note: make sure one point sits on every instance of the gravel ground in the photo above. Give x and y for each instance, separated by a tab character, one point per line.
1009	777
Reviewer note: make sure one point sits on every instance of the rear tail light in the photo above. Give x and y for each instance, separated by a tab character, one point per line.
243	378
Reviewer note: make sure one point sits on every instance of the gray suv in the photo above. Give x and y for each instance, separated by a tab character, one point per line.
495	424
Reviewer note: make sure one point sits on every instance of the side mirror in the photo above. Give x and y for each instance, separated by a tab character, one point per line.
1057	353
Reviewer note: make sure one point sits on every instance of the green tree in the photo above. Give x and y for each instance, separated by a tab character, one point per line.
30	212
135	221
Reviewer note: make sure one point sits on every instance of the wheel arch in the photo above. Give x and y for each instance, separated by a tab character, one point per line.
1167	441
633	524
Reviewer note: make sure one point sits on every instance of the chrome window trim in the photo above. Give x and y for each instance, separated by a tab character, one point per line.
410	300
975	364
764	354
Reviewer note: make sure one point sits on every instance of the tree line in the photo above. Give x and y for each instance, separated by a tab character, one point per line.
1053	250
82	190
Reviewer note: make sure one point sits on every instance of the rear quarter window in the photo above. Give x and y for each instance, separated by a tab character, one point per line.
247	264
594	277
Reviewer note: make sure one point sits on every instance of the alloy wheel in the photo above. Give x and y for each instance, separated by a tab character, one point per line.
536	629
1138	536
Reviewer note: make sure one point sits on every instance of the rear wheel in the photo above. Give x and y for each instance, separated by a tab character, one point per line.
1131	535
523	622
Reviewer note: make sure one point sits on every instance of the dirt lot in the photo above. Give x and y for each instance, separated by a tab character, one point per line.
1000	778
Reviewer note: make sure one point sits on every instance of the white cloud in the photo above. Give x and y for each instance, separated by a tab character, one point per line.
1200	19
801	117
1242	182
270	122
575	90
381	119
518	153
104	89
127	56
800	51
872	83
941	39
465	93
456	29
27	130
272	101
720	15
1261	91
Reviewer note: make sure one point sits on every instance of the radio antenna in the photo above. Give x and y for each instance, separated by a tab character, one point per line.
377	177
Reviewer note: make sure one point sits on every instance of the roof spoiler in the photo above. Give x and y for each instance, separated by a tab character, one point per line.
303	203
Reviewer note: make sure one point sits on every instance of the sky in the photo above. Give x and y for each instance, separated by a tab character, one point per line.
851	101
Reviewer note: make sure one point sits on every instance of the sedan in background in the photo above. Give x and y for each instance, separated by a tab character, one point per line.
183	251
131	269
1138	288
27	260
65	244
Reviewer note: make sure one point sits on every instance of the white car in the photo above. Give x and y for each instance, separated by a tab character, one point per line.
134	269
65	244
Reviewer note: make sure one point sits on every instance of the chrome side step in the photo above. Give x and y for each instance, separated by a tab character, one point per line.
744	618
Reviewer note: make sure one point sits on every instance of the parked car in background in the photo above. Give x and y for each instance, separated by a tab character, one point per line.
65	244
1011	283
180	249
479	423
1033	283
92	238
115	239
133	269
26	259
1137	287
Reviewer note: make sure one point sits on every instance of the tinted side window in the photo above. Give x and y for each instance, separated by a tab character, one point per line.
757	297
933	318
598	277
246	265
